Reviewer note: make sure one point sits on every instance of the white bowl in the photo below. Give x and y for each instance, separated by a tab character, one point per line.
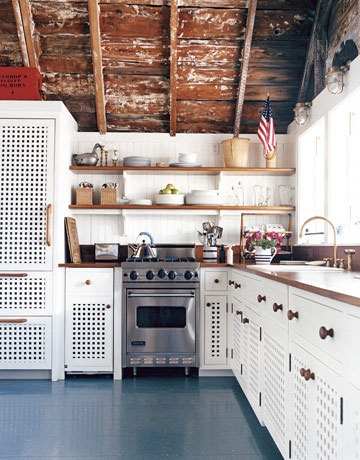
205	192
141	202
173	199
187	158
198	200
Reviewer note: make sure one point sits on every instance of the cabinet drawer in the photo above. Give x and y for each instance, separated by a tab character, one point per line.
26	344
25	293
353	344
273	299
310	317
89	281
216	281
251	288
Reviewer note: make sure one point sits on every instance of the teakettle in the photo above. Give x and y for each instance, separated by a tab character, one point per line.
143	250
88	159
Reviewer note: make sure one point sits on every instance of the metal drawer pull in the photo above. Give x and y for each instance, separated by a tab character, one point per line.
323	332
13	275
48	216
307	374
277	307
216	281
245	320
237	286
192	295
238	312
231	282
88	282
261	298
291	315
17	320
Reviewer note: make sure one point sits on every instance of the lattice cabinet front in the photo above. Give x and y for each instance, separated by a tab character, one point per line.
25	343
236	339
89	333
25	293
26	190
215	333
352	422
275	371
254	360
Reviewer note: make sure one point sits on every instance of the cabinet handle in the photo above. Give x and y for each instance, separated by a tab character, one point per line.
231	282
245	320
277	307
88	282
216	281
323	332
237	286
238	312
108	306
17	320
291	315
307	374
261	298
13	275
208	304
48	216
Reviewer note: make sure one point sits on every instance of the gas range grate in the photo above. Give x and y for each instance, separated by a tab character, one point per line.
158	259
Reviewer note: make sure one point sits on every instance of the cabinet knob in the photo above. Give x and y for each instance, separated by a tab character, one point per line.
245	320
237	286
208	304
231	282
261	298
291	315
309	375
238	312
323	332
108	306
88	282
216	281
277	307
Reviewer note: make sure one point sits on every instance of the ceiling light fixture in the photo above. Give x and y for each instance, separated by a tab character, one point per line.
302	110
335	79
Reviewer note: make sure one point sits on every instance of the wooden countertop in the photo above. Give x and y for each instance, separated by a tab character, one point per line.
92	265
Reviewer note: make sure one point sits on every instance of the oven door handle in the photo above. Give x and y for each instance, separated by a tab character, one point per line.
192	295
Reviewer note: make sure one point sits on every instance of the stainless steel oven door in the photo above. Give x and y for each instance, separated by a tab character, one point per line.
161	321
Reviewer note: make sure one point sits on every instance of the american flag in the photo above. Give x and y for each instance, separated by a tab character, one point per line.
266	131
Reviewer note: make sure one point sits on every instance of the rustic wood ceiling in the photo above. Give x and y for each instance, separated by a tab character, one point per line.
135	43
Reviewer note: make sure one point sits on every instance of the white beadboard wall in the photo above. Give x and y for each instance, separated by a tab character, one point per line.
169	228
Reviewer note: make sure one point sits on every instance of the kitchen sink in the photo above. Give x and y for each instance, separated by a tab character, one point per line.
296	268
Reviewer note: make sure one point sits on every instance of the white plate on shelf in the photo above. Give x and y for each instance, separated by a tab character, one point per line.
198	200
140	202
205	192
173	199
185	165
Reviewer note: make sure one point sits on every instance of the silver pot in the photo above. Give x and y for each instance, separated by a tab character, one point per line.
143	250
88	159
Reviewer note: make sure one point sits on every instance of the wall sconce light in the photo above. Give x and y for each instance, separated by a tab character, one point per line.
335	79
301	111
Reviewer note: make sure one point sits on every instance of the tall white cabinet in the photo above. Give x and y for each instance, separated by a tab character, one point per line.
34	137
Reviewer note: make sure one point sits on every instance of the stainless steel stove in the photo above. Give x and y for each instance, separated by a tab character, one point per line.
161	314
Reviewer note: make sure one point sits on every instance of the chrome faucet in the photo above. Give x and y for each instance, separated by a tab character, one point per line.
332	226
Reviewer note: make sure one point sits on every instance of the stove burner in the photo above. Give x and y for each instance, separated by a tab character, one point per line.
158	259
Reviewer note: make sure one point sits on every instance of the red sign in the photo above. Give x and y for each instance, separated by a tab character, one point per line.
20	84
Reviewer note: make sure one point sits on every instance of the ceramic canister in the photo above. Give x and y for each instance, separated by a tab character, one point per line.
264	256
210	254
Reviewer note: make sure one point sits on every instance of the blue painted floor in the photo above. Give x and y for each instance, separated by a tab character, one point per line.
148	418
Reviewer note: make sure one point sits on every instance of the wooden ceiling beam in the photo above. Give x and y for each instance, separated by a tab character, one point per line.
20	32
25	30
174	20
94	22
250	21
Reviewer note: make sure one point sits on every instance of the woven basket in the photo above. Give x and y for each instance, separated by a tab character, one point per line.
108	196
84	196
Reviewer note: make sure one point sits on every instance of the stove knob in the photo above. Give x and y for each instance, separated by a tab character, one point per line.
172	275
150	275
133	275
161	273
188	275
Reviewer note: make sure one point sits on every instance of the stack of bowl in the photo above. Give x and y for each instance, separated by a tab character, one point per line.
204	198
186	160
137	161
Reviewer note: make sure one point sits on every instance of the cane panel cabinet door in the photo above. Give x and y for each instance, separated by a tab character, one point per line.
237	314
352	421
215	330
26	189
316	408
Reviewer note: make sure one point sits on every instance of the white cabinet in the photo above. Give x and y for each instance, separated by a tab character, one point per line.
26	190
316	408
351	421
215	331
236	347
89	321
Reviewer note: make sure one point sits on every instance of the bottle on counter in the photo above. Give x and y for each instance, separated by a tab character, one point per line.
222	255
230	255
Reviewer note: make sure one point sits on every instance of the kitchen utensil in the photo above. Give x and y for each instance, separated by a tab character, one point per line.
286	195
109	185
143	250
140	202
206	226
88	159
85	184
185	165
106	251
262	195
173	199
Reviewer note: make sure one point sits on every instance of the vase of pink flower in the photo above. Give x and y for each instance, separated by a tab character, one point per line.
265	245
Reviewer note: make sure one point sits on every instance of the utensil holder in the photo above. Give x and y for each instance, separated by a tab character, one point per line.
108	196
84	196
210	254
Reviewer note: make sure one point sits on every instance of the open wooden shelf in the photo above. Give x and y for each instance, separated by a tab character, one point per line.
119	170
155	207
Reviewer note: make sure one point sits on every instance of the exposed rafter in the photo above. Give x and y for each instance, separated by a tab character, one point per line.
25	28
317	52
174	19
97	64
20	32
250	21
